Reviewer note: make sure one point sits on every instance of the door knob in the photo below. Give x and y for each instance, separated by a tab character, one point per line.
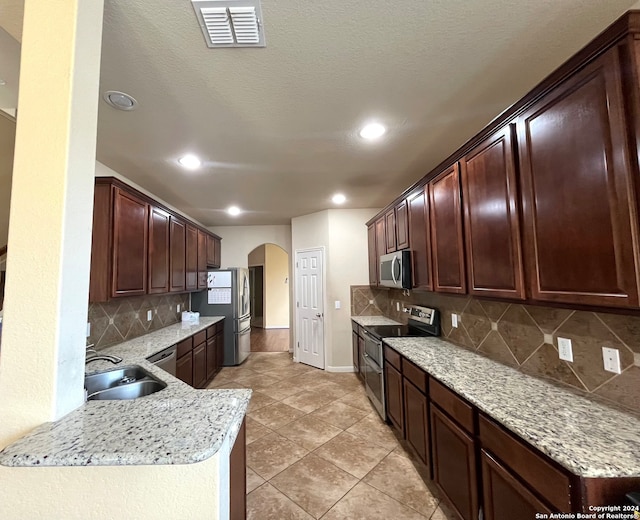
319	315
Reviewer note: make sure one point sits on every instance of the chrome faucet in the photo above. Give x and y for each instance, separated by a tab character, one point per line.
100	357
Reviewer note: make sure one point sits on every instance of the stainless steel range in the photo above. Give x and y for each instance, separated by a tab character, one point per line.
423	321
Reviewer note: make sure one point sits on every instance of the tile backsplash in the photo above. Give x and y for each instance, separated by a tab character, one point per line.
122	319
526	337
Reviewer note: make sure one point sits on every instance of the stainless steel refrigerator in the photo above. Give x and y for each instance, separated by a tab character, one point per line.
227	295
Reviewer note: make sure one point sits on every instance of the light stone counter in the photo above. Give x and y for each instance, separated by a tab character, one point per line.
372	321
177	425
588	438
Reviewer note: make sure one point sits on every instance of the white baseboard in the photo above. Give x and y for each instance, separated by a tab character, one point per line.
276	327
348	368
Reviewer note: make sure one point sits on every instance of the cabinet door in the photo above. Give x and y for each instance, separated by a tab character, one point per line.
420	241
238	476
130	232
202	259
390	230
416	413
177	264
184	368
360	354
446	232
192	258
491	218
213	251
158	251
355	352
402	226
373	254
454	464
504	497
200	365
579	208
212	357
381	240
393	394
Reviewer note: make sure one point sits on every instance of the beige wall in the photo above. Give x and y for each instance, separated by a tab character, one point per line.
7	142
239	241
257	256
343	235
276	281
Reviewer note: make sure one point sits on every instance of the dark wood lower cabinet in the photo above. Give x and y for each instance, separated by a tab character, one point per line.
184	368
454	464
504	496
220	348
360	354
212	358
238	477
416	414
393	391
199	365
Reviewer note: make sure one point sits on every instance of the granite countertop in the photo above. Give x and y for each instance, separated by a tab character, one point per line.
374	320
590	439
178	425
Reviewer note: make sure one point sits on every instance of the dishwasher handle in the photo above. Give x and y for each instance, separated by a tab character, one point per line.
165	355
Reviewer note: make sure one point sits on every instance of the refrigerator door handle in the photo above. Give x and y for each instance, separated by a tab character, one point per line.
245	331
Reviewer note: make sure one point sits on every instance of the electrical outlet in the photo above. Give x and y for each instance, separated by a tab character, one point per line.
398	306
454	321
338	304
611	357
565	350
149	315
88	329
178	308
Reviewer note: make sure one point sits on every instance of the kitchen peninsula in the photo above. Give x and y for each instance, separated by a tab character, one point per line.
179	435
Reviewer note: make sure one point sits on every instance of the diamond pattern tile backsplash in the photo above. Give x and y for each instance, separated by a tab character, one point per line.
526	338
122	319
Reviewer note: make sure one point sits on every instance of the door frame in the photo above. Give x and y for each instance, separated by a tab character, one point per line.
322	251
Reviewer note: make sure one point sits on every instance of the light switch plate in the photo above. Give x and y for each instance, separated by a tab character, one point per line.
88	329
178	308
338	304
611	358
149	315
454	321
565	350
398	306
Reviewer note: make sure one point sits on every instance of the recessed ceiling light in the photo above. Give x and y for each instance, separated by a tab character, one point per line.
338	198
119	100
372	131
190	161
234	211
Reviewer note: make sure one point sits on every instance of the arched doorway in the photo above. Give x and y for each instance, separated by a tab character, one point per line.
269	282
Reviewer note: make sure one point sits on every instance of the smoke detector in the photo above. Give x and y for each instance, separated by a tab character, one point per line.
230	23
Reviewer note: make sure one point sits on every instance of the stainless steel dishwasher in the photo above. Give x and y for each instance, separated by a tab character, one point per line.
166	359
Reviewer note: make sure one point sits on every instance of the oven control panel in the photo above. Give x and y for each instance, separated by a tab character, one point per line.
422	314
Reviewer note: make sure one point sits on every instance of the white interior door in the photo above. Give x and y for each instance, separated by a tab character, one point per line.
310	307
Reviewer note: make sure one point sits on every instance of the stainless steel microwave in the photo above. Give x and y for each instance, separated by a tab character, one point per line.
395	270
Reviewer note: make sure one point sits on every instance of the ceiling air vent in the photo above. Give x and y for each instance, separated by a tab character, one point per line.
230	23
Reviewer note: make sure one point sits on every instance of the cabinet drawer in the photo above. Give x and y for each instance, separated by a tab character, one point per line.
200	337
392	357
451	403
415	374
184	347
211	331
548	481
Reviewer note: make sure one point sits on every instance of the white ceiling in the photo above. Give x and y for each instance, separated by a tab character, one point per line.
277	126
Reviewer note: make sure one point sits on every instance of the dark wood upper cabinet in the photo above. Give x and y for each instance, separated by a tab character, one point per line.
213	251
130	232
390	230
445	215
381	242
373	254
402	225
420	241
158	269
177	263
579	205
202	259
491	218
191	258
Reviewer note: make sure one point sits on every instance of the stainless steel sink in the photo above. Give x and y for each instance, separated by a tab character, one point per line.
122	383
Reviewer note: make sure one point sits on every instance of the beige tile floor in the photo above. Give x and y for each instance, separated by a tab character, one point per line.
317	449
